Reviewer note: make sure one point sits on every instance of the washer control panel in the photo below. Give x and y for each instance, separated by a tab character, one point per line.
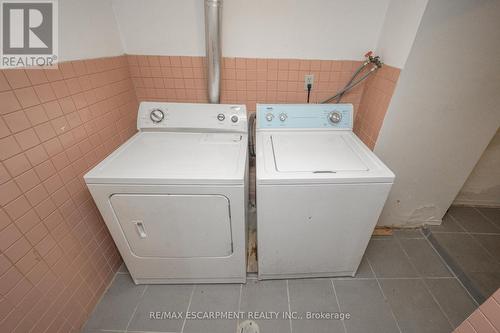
164	116
334	116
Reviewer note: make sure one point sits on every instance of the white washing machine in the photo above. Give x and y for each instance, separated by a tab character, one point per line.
174	196
320	191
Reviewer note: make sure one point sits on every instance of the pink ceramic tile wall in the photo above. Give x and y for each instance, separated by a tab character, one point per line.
486	319
244	80
250	81
375	100
56	255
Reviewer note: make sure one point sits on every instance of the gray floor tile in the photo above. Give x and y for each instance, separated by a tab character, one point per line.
364	269
214	298
161	298
408	233
424	258
453	298
266	296
313	295
388	259
492	214
369	311
466	252
472	220
448	225
122	268
117	305
491	243
485	283
415	310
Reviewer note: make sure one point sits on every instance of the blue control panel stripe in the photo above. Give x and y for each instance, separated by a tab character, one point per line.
305	116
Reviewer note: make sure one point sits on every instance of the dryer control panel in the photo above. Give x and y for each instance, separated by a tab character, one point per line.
289	116
158	116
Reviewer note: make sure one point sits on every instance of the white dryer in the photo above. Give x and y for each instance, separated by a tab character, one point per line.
320	191
174	196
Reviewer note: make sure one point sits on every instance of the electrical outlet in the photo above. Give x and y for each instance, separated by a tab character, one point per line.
308	79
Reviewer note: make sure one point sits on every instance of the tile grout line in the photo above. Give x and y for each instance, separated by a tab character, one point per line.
487	218
99	301
188	307
422	279
458	222
452	271
338	304
478	233
384	296
467	232
239	306
135	309
146	332
289	306
484	248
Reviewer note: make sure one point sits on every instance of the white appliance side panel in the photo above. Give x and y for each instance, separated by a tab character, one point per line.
174	226
231	269
315	230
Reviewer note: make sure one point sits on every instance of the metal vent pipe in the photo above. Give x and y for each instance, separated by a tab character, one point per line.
213	21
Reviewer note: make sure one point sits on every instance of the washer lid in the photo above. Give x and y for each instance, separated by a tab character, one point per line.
318	152
175	158
317	157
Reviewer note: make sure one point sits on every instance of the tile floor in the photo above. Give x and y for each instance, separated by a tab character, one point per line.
402	286
469	241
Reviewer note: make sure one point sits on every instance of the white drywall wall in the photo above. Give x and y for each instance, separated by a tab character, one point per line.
482	188
444	111
319	29
398	32
87	29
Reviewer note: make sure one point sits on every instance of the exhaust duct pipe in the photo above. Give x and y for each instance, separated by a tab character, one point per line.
213	21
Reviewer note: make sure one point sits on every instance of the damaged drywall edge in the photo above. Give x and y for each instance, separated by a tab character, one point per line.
420	217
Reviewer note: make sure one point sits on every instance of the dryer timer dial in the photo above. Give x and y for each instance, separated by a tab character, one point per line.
156	115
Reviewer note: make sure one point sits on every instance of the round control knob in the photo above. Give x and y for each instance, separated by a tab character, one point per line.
156	115
234	118
283	116
221	117
269	116
334	117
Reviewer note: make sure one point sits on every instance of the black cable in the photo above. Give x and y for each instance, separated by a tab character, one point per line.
251	134
309	86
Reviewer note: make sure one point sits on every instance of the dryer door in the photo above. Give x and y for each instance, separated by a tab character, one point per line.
174	226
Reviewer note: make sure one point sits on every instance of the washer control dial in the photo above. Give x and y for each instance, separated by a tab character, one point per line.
221	117
234	118
156	115
269	116
283	116
334	117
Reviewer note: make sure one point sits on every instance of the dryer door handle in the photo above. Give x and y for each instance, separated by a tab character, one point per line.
140	229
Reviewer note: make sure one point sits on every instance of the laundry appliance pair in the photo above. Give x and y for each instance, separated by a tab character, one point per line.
174	196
